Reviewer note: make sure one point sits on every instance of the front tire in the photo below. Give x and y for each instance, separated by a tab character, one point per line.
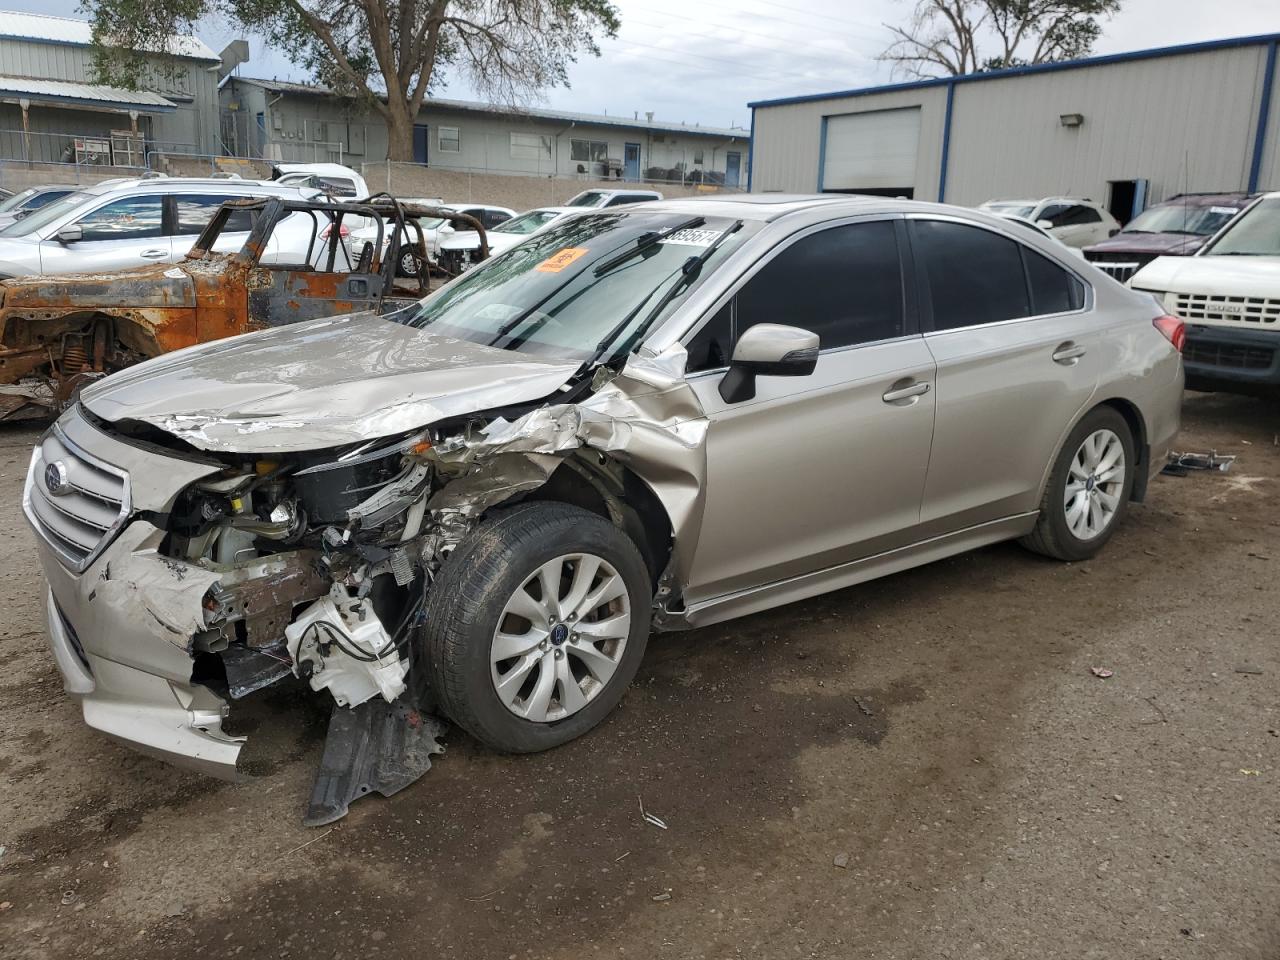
536	625
1088	491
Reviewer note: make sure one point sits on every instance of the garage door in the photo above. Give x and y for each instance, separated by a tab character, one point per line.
872	152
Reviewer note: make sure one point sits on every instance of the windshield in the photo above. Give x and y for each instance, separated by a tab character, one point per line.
588	198
1255	234
1024	210
527	222
45	215
570	287
1180	218
16	200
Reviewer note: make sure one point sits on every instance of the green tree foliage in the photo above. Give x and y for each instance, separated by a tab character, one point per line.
390	53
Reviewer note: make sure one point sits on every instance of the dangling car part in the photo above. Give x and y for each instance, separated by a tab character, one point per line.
475	508
58	333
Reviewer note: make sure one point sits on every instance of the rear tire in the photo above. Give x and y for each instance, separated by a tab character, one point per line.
1088	491
525	667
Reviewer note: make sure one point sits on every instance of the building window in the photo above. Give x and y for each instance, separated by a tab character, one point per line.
591	151
697	157
450	139
530	146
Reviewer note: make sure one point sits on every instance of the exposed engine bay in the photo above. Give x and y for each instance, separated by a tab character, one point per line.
315	566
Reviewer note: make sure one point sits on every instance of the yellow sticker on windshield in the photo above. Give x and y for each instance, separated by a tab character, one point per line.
561	259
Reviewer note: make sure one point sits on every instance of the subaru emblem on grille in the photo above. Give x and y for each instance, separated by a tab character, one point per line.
55	478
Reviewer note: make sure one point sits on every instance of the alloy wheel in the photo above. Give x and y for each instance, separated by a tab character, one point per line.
1095	483
560	637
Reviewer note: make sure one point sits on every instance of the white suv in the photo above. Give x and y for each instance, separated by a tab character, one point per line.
1077	223
1228	295
118	224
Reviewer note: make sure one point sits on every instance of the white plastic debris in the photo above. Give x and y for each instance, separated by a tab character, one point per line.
341	646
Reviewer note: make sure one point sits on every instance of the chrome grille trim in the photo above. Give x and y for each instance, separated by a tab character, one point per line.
79	524
1242	310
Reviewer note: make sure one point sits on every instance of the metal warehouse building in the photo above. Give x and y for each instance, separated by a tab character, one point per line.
1127	130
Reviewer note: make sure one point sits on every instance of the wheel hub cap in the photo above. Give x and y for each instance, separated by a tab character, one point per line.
560	637
1095	484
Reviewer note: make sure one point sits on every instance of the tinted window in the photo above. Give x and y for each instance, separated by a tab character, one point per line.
1075	214
844	284
494	217
40	199
974	276
133	218
194	210
1053	290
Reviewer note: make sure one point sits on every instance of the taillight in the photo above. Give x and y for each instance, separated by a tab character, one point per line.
342	231
1174	330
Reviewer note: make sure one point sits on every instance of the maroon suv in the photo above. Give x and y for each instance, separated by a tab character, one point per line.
1178	227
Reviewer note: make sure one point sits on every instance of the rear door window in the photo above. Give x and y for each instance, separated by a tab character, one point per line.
130	218
492	218
1053	289
193	211
972	276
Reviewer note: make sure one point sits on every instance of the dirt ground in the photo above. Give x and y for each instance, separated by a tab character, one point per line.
921	767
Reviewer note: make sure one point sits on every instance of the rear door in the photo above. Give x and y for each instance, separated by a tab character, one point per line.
122	233
1018	360
815	471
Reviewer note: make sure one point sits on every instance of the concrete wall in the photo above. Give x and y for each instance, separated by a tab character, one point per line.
519	193
193	125
1186	122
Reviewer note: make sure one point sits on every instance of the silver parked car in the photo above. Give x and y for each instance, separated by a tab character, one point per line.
671	415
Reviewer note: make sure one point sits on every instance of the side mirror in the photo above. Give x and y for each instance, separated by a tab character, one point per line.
768	350
71	233
1044	224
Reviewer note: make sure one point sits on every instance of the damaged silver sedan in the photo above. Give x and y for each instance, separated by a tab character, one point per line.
660	416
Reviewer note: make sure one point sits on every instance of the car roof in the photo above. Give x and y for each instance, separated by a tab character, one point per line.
1206	199
319	169
178	184
468	203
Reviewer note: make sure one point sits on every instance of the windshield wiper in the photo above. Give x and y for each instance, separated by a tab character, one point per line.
644	243
689	271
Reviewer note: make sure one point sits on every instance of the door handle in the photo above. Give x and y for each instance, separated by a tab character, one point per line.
154	254
910	392
1068	353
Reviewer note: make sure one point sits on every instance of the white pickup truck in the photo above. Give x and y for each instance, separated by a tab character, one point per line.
1228	295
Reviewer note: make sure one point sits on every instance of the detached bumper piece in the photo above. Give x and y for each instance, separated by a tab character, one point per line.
376	747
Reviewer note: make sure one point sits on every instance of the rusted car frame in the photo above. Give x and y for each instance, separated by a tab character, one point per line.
58	332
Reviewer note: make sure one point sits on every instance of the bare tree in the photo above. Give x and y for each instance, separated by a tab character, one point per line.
389	53
954	37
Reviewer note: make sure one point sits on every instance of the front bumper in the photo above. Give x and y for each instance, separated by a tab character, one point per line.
1219	358
120	656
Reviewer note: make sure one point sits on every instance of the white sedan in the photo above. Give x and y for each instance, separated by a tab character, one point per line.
458	252
1076	222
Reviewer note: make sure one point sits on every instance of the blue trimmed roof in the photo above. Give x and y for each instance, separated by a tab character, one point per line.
1152	54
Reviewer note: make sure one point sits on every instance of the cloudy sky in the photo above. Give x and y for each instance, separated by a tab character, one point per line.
702	62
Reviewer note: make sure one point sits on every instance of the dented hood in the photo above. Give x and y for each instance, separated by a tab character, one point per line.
321	384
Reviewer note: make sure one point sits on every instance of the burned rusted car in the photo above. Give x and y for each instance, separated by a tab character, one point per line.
58	332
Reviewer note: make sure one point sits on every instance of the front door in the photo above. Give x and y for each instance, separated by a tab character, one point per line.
1018	361
815	471
420	143
732	168
128	232
631	161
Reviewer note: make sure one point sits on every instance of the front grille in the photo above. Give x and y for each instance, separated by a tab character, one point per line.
86	506
1119	267
1231	356
1242	310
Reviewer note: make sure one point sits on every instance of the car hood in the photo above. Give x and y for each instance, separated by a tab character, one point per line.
1159	244
1213	276
321	384
470	240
